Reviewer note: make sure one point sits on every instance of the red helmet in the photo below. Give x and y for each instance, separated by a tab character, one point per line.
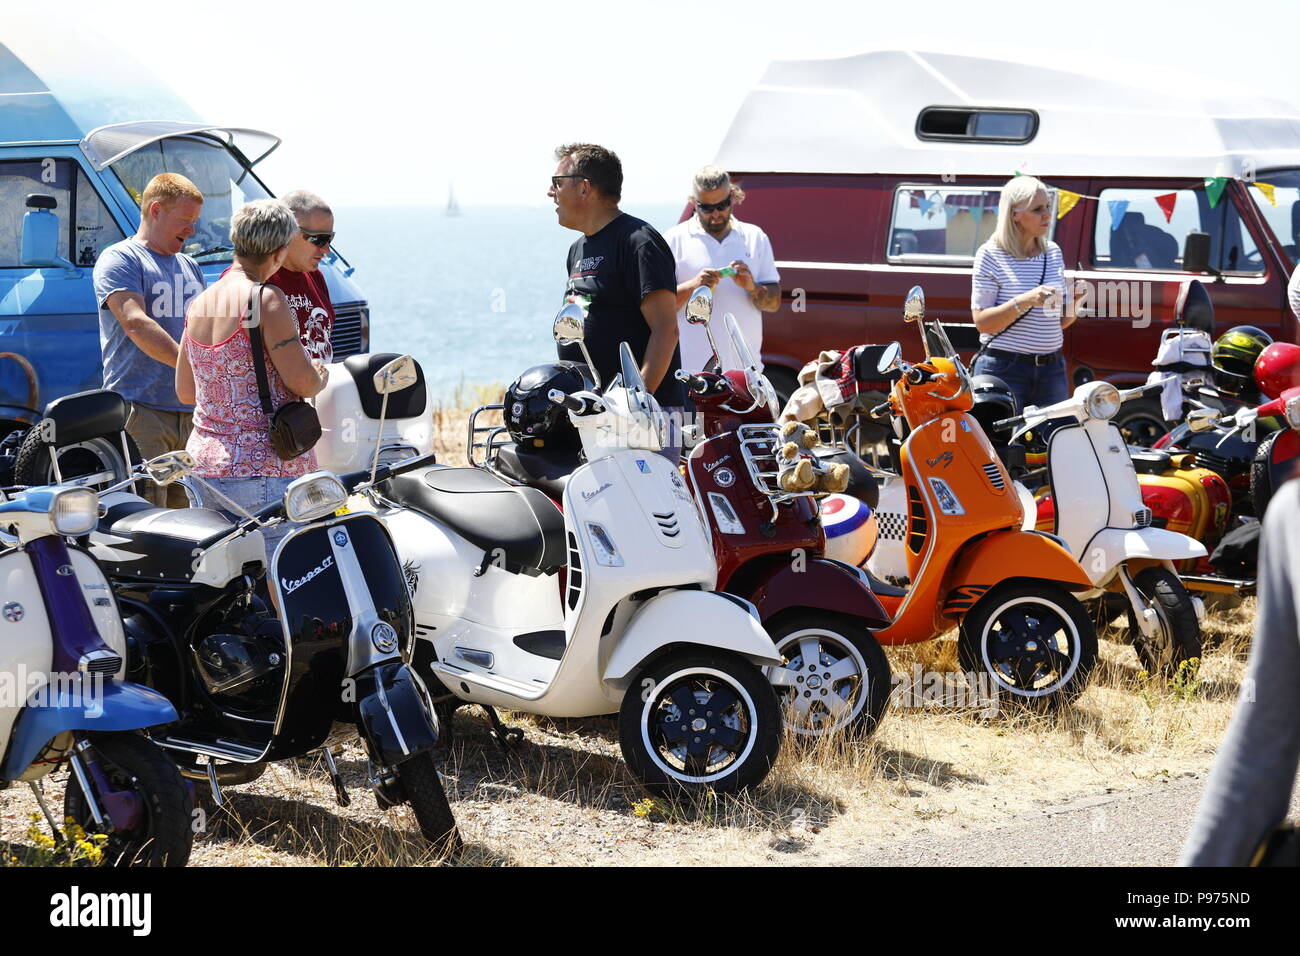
1278	368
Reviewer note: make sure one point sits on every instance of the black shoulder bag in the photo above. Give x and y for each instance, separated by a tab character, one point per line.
295	427
985	345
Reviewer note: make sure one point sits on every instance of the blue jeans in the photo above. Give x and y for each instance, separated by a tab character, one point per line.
1040	385
252	494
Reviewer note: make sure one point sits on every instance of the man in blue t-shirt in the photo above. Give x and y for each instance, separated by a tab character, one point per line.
143	285
625	269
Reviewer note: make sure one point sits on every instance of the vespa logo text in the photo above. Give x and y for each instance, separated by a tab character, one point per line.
945	458
75	908
710	465
291	586
588	495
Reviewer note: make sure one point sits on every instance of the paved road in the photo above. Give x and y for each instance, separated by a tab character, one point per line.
1137	828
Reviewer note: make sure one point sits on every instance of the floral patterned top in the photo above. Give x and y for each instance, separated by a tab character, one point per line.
230	436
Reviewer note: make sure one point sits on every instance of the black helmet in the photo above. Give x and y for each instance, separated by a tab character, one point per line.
994	401
1233	359
532	419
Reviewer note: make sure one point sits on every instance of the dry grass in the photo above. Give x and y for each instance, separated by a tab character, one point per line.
565	795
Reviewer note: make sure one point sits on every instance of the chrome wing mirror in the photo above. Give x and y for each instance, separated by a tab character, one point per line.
568	329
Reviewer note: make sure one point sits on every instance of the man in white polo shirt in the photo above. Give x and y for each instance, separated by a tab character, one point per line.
706	244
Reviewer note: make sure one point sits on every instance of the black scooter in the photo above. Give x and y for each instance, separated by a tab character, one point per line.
253	687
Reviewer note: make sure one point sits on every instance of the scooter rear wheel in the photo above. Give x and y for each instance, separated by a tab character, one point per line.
163	836
835	678
697	719
1034	639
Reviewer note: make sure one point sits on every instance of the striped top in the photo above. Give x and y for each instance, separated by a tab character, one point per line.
999	277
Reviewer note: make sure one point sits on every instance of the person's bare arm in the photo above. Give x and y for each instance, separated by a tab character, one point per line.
660	312
184	374
766	297
151	338
280	333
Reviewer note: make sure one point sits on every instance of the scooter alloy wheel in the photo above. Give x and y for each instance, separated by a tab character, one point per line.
836	676
697	719
163	836
97	462
1035	640
1177	637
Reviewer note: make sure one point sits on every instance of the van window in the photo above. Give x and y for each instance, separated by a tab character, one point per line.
1284	218
95	227
941	224
225	184
1144	239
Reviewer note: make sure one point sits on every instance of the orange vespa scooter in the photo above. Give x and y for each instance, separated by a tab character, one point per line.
968	561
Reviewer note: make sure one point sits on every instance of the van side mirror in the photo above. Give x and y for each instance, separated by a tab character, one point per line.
1196	252
40	244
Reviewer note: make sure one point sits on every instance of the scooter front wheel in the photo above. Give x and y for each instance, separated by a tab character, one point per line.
160	833
1034	640
697	719
835	676
1177	637
427	797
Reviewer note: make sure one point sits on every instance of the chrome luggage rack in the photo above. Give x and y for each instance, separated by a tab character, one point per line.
496	437
758	447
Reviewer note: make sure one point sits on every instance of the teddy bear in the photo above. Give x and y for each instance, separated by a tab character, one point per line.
798	472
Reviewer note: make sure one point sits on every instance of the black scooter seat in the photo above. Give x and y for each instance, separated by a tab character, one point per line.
487	512
135	539
546	472
1149	461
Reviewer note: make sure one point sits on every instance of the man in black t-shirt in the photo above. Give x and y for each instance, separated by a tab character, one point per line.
626	270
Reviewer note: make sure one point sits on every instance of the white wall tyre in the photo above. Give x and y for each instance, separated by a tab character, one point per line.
835	678
696	720
1035	640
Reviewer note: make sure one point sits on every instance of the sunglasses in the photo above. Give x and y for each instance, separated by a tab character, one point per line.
320	239
558	181
713	206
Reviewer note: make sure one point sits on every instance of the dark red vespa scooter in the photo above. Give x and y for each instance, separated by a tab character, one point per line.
770	548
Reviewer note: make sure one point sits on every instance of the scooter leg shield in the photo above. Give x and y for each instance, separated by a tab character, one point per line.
711	619
1009	554
392	713
82	704
822	584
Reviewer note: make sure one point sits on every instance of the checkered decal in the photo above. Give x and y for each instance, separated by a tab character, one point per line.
892	524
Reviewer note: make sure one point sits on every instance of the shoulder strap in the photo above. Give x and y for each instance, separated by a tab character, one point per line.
1041	280
259	360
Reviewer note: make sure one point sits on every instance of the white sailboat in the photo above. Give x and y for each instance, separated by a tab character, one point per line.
453	207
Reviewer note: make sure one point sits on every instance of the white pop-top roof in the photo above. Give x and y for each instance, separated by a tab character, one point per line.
859	115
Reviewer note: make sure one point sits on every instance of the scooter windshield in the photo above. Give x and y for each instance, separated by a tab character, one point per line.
755	380
937	345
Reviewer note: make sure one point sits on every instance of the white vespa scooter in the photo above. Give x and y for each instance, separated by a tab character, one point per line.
1096	507
605	607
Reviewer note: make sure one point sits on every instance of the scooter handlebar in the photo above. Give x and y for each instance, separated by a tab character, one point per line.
579	406
696	383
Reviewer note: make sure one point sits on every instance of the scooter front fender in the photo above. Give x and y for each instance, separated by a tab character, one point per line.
821	584
81	703
1009	554
1112	546
710	619
393	714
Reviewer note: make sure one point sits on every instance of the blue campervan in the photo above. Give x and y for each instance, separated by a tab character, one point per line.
82	130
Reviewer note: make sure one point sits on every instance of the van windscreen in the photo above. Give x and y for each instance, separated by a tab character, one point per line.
225	183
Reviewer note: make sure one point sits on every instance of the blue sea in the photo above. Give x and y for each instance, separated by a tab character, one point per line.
471	297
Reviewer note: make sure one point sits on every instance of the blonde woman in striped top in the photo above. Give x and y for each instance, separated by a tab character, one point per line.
1019	298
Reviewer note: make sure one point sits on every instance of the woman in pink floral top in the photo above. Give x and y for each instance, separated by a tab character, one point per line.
231	441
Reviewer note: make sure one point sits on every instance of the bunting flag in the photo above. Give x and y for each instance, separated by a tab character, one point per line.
1214	186
1117	209
1066	201
925	205
1267	189
1166	204
977	212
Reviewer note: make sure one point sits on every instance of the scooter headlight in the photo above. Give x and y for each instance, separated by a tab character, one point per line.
1292	411
314	496
1103	402
74	511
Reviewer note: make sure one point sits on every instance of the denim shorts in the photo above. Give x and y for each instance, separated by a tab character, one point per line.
251	494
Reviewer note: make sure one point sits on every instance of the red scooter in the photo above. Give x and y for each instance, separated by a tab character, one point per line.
770	549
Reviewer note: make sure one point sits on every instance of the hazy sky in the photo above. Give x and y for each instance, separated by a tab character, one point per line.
385	103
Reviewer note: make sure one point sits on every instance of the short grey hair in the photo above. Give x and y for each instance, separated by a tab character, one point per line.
710	178
303	203
261	228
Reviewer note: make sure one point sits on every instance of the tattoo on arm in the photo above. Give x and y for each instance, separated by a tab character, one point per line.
766	297
277	345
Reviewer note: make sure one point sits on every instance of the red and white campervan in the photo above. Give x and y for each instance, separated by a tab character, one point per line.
875	173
